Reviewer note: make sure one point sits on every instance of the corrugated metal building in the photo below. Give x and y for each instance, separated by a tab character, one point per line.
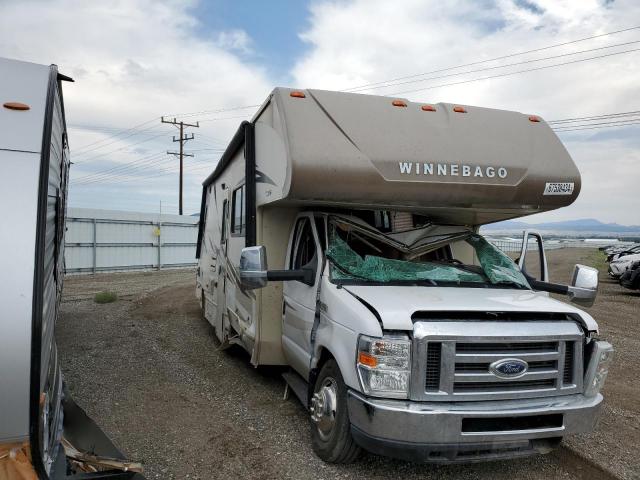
111	240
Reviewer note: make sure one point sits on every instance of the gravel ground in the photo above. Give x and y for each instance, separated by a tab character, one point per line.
147	369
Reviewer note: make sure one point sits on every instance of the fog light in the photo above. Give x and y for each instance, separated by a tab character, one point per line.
384	365
598	368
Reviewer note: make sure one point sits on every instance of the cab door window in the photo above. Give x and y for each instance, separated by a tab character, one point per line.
305	251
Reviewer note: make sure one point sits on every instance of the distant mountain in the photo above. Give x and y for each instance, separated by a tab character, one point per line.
581	225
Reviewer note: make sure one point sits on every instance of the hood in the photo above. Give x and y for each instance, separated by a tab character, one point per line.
396	304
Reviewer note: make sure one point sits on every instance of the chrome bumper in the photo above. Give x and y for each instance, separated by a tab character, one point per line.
466	431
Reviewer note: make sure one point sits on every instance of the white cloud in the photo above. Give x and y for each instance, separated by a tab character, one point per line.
367	41
133	61
236	40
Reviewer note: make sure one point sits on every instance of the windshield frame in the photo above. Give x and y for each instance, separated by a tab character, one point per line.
427	282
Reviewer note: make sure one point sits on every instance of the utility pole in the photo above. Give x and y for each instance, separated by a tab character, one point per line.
182	139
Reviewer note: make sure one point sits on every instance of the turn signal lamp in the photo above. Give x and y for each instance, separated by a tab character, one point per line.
367	359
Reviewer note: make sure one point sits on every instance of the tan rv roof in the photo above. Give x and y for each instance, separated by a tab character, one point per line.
472	166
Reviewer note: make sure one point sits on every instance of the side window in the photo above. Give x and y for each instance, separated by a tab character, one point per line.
225	213
238	212
305	251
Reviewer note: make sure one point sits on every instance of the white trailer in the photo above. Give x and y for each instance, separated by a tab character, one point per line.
407	333
35	410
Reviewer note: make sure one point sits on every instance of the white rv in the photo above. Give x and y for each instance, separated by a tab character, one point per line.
407	333
36	412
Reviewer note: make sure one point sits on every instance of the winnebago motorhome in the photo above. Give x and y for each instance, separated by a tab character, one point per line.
407	333
43	433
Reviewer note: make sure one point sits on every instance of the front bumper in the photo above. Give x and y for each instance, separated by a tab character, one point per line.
468	431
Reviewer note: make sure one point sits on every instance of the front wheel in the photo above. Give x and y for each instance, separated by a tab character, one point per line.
330	427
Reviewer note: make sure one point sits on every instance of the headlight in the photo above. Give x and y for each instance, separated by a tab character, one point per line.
384	365
598	368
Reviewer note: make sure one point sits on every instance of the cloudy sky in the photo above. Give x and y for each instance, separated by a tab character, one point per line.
136	60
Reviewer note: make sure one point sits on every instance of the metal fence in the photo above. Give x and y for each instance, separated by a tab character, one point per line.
509	245
107	241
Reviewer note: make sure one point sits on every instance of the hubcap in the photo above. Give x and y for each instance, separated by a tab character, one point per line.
324	405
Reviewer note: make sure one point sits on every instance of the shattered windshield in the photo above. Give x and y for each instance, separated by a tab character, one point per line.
360	254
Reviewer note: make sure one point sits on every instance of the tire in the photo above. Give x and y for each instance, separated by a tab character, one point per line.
330	427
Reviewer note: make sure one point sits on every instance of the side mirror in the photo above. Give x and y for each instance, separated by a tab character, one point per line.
584	285
254	273
253	267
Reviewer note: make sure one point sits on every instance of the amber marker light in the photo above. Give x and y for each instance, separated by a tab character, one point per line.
534	118
399	103
428	108
367	359
16	106
297	94
458	109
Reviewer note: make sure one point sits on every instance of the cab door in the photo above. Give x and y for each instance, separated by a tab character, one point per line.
299	298
221	274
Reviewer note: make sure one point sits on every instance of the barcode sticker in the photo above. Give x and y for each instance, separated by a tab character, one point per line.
558	188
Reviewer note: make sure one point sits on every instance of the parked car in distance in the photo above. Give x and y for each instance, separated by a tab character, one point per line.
620	265
631	278
619	253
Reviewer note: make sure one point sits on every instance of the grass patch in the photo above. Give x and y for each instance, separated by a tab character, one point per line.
105	297
598	259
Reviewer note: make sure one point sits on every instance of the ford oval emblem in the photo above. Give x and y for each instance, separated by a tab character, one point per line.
509	368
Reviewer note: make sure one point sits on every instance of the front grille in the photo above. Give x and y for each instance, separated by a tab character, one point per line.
507	347
506	424
434	355
484	367
506	386
455	363
567	374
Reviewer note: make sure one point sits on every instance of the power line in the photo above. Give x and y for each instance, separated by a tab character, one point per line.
126	170
83	150
515	73
84	161
595	117
121	132
598	126
118	166
494	59
524	62
210	112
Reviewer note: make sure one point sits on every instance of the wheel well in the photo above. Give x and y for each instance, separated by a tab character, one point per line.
324	356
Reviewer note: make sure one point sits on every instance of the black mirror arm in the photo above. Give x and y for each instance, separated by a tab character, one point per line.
304	275
547	286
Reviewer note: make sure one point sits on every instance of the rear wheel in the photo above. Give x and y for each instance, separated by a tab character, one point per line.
330	428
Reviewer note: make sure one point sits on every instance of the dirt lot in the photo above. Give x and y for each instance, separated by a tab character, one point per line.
147	369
